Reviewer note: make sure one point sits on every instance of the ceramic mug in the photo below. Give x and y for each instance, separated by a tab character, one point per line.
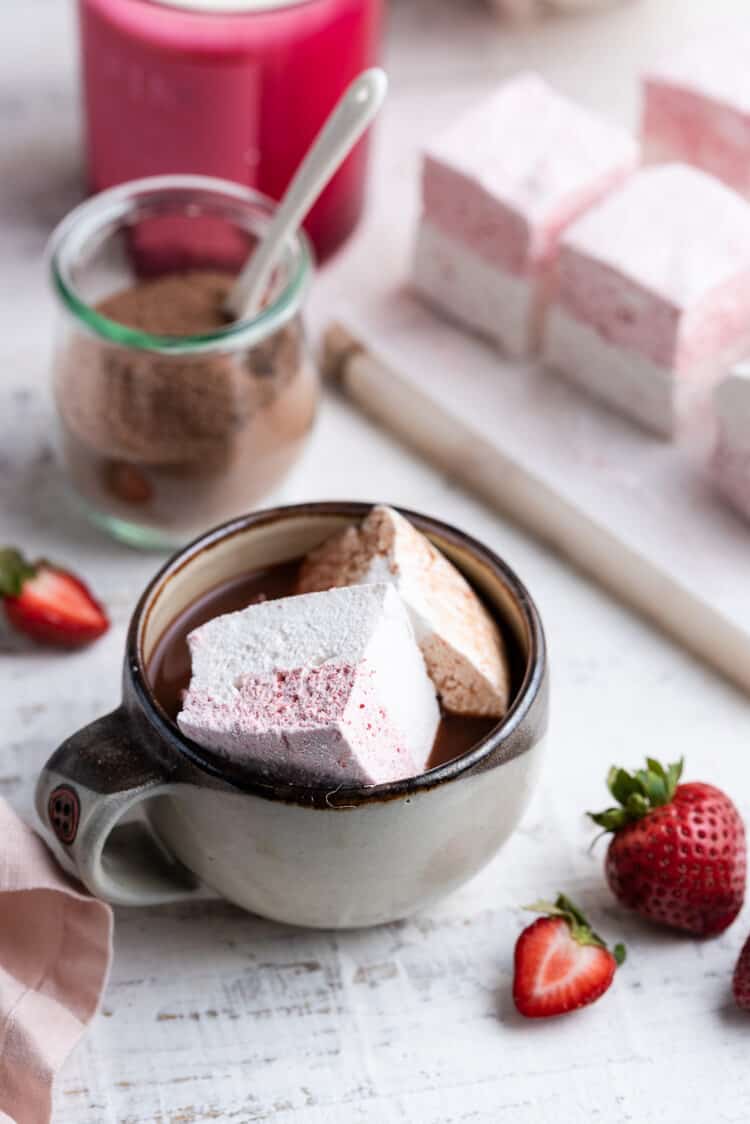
307	856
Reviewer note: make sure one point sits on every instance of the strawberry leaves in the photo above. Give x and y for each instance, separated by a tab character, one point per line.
638	793
577	922
14	571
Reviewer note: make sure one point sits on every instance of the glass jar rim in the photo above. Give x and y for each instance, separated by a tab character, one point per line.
114	203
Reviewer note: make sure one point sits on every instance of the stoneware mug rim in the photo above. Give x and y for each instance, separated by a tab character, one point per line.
246	779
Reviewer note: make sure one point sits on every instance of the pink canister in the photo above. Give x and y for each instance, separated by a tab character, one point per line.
229	88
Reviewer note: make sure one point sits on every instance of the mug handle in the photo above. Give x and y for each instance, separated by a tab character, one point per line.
82	794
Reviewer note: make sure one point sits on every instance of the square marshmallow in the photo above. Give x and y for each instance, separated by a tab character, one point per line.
731	459
696	109
497	190
462	646
653	295
328	688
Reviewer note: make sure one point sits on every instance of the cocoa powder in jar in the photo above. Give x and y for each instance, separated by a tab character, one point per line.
181	440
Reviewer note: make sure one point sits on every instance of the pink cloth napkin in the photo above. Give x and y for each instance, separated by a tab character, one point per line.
55	952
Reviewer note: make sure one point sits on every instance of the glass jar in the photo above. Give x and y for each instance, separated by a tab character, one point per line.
229	88
163	435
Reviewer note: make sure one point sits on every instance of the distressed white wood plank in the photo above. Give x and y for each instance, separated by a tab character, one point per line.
215	1015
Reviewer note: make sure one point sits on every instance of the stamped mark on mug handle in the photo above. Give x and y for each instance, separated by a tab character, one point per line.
84	795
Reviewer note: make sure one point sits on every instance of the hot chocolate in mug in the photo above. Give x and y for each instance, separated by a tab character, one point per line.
304	855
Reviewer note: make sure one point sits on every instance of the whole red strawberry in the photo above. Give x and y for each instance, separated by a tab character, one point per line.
678	853
741	981
47	603
560	963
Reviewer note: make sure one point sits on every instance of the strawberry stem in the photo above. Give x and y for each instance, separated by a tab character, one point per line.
638	793
14	571
580	928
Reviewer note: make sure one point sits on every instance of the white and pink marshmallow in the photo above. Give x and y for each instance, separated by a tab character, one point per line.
731	459
696	109
498	188
652	303
462	646
326	688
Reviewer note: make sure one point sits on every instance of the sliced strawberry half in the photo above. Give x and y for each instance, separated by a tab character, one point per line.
741	980
561	964
49	604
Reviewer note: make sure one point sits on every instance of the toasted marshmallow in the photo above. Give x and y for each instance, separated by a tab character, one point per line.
461	644
327	688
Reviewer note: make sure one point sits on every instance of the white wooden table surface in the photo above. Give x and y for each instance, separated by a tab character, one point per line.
216	1015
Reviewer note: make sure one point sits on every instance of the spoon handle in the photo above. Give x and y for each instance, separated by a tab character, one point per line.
343	128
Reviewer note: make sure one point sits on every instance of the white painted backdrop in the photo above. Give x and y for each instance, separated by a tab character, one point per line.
216	1015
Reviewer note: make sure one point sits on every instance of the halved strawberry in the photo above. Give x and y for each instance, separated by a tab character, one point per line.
741	981
560	962
49	604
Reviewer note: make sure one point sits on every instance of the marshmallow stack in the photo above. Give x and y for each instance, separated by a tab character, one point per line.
498	188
